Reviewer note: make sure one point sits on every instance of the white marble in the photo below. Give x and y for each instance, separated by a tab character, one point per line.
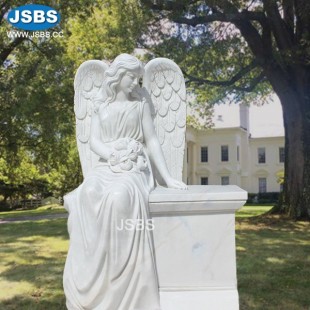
200	300
110	263
194	241
128	137
164	91
198	193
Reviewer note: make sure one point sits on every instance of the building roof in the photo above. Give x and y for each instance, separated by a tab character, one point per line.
264	121
226	116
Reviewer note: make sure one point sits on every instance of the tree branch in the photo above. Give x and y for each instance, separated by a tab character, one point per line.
230	82
226	11
253	83
267	38
222	17
246	27
280	31
37	47
223	5
4	6
242	22
6	51
302	9
288	15
159	5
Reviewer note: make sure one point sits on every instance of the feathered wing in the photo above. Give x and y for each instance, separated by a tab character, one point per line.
88	87
165	83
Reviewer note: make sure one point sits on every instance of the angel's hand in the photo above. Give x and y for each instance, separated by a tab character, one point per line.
115	158
172	183
118	157
142	93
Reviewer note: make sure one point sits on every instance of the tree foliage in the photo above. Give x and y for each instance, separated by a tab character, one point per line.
240	50
229	50
36	82
113	28
21	176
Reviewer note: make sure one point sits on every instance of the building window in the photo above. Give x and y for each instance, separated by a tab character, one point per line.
224	153
204	154
262	185
238	153
225	180
204	181
261	152
281	154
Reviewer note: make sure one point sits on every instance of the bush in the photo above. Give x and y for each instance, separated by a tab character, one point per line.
49	201
4	206
271	197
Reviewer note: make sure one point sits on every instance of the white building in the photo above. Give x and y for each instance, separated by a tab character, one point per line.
245	147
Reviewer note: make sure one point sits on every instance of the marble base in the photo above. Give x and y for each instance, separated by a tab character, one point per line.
207	299
194	239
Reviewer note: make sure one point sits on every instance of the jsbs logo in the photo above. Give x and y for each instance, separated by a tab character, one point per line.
137	224
33	17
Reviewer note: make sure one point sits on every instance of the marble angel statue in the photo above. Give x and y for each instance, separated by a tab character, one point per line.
109	268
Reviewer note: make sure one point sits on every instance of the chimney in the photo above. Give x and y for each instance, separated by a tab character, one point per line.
244	116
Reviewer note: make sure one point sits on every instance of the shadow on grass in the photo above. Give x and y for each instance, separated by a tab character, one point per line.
273	262
32	261
44	228
273	258
32	303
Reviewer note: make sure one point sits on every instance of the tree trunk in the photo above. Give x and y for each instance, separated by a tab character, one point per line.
296	113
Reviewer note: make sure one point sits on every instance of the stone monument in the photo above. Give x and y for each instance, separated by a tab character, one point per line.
140	239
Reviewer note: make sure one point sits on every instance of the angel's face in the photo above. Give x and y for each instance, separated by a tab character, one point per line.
128	82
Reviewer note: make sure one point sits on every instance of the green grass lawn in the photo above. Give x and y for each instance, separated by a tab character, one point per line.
273	258
273	261
250	211
46	210
32	260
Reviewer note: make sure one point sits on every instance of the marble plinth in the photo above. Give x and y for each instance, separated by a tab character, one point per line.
194	240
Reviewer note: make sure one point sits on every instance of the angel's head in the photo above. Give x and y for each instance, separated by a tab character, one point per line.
124	74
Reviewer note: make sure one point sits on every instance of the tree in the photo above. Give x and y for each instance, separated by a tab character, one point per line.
20	177
114	27
36	83
244	49
66	8
67	174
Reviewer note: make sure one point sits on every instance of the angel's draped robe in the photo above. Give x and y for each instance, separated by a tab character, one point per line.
108	268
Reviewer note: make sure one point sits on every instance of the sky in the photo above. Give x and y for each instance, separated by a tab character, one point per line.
265	120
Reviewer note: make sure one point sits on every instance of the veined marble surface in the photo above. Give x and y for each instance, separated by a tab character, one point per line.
194	241
126	134
198	193
120	147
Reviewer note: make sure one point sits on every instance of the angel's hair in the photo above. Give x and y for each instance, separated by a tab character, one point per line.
113	75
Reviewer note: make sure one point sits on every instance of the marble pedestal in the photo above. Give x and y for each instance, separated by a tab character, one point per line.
194	240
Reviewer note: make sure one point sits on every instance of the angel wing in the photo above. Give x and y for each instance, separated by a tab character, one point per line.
88	86
165	83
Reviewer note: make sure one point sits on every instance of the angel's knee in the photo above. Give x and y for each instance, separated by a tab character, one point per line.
120	195
91	189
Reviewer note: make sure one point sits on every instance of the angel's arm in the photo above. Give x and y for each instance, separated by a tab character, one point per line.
96	143
155	151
